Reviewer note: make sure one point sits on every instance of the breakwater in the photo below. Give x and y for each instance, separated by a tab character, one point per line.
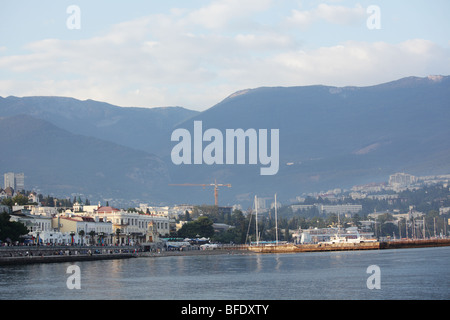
293	248
398	244
415	243
52	254
30	255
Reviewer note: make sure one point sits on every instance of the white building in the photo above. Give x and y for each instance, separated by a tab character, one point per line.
33	223
401	180
85	230
9	181
45	211
342	209
317	235
14	180
132	226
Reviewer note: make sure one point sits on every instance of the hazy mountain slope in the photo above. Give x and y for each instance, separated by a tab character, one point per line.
335	137
329	137
138	128
57	161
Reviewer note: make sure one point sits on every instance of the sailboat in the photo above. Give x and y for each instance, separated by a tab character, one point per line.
266	243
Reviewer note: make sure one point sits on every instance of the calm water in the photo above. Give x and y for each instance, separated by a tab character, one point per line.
405	274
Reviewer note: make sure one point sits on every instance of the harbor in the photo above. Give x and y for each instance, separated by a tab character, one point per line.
417	273
349	246
43	254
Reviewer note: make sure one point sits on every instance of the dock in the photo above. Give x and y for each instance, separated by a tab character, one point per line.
399	244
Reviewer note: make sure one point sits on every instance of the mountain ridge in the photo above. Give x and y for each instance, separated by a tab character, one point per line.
329	136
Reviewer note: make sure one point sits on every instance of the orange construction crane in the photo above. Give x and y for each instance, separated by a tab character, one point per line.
215	185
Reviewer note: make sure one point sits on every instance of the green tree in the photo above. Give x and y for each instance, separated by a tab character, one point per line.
187	216
11	229
81	234
202	227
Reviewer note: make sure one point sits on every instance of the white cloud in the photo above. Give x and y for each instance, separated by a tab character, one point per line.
171	59
221	13
362	63
334	14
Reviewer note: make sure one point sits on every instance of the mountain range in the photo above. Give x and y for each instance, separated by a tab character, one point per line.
330	137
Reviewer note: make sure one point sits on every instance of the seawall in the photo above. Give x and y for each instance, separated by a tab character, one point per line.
63	258
52	254
399	244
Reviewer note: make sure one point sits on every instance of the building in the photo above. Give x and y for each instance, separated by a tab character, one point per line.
299	207
34	223
316	235
84	230
340	209
45	211
131	227
4	208
9	181
19	181
15	181
402	180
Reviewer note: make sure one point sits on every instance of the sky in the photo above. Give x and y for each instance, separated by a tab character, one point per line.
141	53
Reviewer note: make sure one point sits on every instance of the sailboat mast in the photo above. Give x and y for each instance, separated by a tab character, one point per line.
256	209
276	221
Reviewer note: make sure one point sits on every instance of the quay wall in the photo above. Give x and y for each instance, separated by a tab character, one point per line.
398	244
288	248
51	254
53	259
415	243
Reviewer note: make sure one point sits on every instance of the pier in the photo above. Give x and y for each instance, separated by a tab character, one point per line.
396	244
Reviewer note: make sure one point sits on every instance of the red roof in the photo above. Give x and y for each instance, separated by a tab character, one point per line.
107	210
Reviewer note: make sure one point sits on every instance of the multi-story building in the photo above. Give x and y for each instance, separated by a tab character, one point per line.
84	230
9	181
345	209
19	181
34	223
341	209
15	181
132	227
401	180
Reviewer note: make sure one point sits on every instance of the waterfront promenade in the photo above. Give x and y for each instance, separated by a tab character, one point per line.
47	254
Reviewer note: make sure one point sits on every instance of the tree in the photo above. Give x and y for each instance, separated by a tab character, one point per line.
187	217
92	234
19	199
202	227
81	234
287	236
388	229
11	229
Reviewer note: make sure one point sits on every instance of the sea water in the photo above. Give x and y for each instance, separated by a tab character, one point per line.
403	274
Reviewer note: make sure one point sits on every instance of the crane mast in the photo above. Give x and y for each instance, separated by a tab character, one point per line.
215	185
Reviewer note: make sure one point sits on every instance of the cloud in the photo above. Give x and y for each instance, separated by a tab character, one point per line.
363	63
181	58
334	14
221	13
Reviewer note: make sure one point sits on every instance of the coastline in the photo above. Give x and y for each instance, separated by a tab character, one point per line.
33	255
176	253
399	244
